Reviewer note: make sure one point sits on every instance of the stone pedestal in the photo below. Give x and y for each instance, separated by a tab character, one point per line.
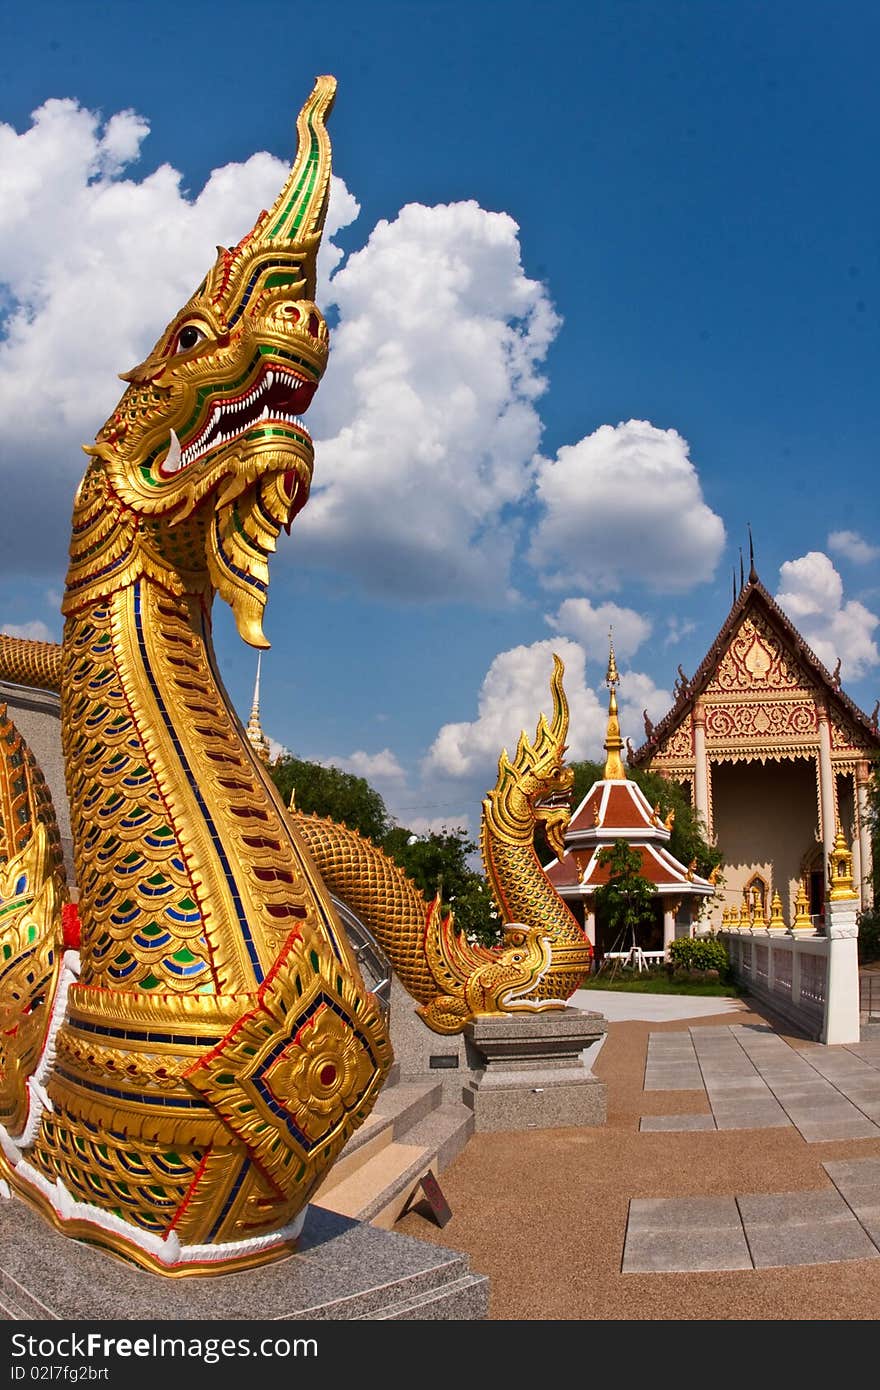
534	1075
341	1269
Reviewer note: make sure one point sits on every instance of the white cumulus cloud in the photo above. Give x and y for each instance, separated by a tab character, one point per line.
624	505
589	624
36	631
811	594
853	547
426	425
515	691
374	767
93	264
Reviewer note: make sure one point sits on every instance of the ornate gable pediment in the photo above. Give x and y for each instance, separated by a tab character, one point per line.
759	693
848	740
756	659
678	747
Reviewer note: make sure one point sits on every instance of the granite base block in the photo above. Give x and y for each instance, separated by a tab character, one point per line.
342	1269
533	1073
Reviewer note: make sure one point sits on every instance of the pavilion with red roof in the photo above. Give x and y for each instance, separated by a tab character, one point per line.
617	809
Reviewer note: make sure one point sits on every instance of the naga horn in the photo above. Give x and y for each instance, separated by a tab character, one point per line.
559	727
297	215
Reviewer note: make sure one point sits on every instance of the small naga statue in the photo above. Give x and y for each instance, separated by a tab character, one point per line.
177	1090
544	955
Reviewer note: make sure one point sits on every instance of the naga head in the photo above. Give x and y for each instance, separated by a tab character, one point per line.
206	456
535	788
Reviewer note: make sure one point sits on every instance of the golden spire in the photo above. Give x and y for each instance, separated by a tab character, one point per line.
256	738
614	769
840	870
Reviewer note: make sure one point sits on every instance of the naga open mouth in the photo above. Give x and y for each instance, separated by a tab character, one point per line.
272	403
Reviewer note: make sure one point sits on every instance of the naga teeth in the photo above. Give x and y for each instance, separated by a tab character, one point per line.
174	460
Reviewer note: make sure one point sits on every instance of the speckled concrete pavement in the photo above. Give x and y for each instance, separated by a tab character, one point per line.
545	1213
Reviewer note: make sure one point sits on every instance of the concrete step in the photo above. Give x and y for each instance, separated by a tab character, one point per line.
379	1188
444	1132
398	1108
16	1303
467	1297
379	1181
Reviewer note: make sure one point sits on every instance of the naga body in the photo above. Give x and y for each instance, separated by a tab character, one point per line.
545	953
219	1046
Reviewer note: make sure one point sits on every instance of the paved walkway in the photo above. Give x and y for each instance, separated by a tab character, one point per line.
738	1176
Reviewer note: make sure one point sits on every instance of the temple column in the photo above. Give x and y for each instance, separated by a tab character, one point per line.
865	882
701	766
826	787
590	923
668	925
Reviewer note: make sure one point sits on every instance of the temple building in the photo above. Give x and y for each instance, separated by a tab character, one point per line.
776	757
617	809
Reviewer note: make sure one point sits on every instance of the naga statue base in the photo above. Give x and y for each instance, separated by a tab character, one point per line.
535	1074
342	1270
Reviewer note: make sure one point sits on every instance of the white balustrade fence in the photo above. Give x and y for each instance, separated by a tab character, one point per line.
810	981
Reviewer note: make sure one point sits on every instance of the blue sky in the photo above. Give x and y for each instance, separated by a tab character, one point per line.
611	293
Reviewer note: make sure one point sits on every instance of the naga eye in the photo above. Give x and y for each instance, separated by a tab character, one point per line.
188	337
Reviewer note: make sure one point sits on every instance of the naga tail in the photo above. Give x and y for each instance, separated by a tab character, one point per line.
378	891
33	892
452	980
35	664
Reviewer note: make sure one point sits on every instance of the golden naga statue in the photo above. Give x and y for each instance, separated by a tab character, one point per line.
545	953
180	1101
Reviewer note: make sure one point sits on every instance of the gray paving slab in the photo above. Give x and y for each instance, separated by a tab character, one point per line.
855	1177
751	1117
819	1088
735	1085
676	1252
869	1051
827	1131
683	1214
655	1124
664	1081
684	1235
796	1228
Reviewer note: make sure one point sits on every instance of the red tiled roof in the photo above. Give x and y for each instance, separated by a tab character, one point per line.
611	806
656	865
563	873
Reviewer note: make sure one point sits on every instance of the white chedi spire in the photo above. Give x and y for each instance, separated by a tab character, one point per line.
254	730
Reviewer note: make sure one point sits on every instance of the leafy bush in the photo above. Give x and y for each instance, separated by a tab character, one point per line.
699	953
869	934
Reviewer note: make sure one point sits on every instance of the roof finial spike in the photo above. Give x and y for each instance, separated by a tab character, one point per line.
254	730
734	584
753	573
614	769
612	678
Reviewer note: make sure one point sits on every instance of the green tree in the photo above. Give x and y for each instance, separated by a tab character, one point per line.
438	861
329	791
874	830
627	899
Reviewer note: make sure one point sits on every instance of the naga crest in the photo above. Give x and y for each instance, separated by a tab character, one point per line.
206	456
536	785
